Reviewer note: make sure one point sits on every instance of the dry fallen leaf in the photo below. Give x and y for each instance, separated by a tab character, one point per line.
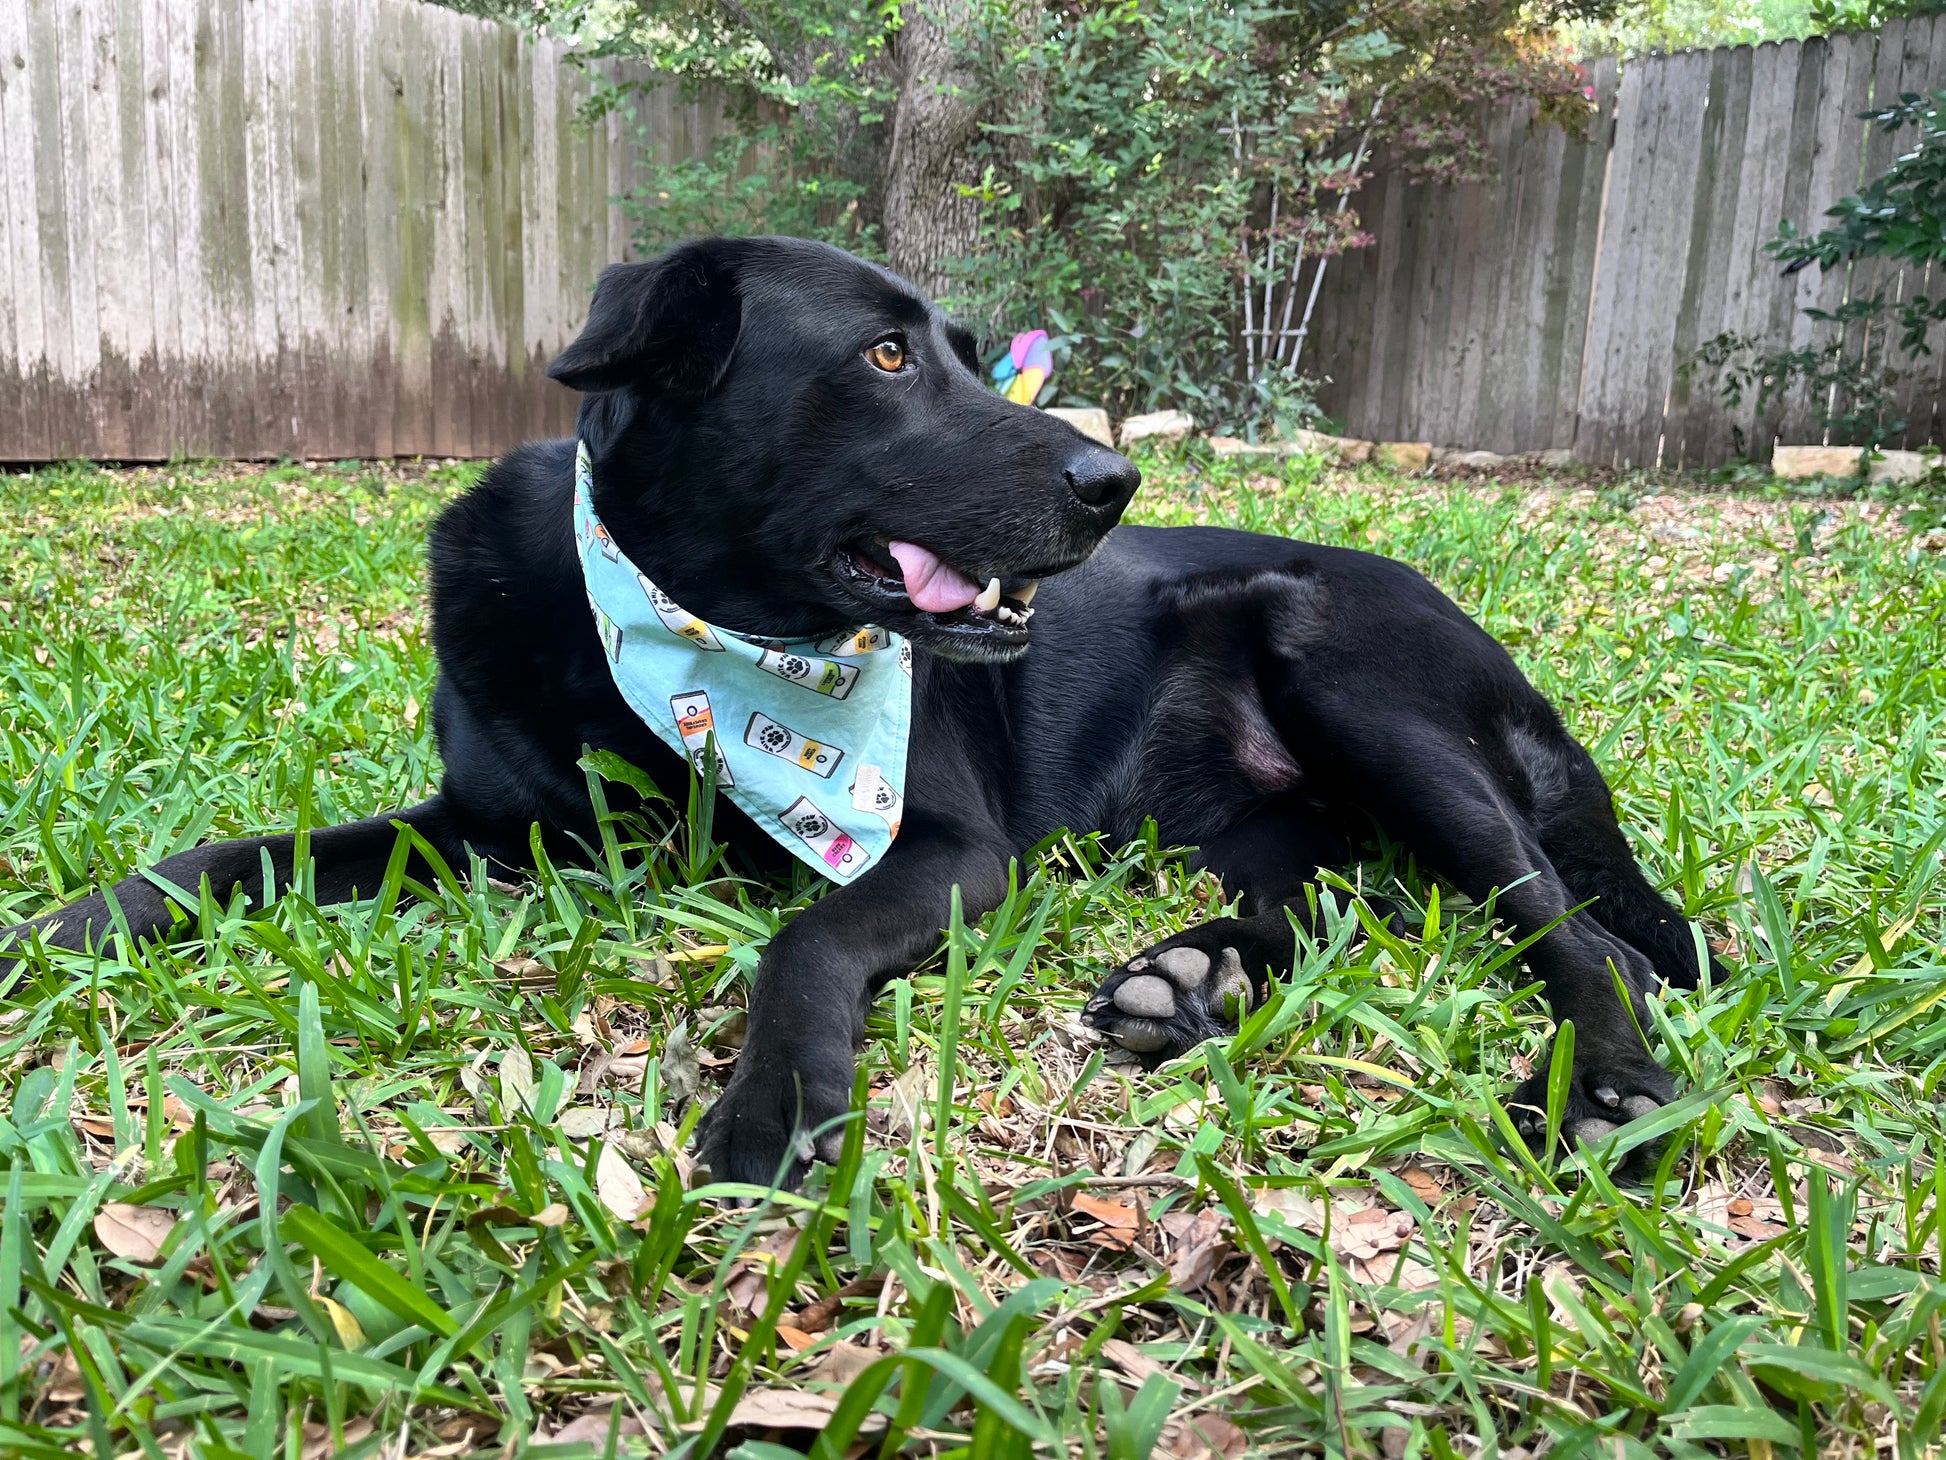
1288	1205
1203	1437
749	1282
516	1080
783	1409
1120	1224
818	1316
844	1362
137	1233
619	1188
592	1428
1561	1286
579	1122
908	1100
1200	1248
787	1409
1424	1185
318	1442
682	1074
1138	1365
1367	1233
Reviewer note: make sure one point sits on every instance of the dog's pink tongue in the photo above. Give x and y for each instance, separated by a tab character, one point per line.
933	586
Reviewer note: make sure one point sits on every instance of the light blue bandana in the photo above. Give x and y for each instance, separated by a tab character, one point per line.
809	735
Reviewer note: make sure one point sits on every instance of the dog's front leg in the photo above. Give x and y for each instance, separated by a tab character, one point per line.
807	1007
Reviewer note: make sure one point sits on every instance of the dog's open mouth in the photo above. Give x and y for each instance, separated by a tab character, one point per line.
988	619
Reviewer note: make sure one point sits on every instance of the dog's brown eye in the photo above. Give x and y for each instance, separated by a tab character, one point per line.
888	355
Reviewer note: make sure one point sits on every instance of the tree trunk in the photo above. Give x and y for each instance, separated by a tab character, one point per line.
928	219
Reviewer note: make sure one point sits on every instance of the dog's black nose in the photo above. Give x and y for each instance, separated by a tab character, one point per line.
1101	478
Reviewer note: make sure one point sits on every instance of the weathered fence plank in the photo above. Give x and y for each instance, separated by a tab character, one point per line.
1917	392
1558	303
304	227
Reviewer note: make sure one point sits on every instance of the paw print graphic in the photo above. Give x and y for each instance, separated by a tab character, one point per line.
793	666
776	739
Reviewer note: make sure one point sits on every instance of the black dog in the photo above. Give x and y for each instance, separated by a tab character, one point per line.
763	416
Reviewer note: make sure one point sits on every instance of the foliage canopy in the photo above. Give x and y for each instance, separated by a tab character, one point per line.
1139	165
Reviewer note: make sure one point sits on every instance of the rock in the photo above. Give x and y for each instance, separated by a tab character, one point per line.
1795	462
1478	460
1157	426
1403	455
1900	467
1090	421
1554	458
1234	446
1344	448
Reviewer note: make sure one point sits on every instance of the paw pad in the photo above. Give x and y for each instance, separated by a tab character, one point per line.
1168	1001
1147	996
1187	966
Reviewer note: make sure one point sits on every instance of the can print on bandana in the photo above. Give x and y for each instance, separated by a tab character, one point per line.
696	723
872	792
765	734
678	620
610	631
820	676
607	544
867	640
839	852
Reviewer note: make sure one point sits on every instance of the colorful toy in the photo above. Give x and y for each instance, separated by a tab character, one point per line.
1025	368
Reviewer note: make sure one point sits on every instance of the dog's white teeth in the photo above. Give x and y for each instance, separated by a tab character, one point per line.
989	598
1009	616
1024	594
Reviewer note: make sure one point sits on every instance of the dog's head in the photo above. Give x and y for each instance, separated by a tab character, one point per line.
789	439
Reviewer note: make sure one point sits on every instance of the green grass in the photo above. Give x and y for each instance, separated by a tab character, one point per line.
407	1176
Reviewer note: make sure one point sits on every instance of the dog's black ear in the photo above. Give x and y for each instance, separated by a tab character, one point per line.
669	325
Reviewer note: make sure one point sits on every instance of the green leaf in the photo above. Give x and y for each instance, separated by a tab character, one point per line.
320	1123
348	1258
1735	1422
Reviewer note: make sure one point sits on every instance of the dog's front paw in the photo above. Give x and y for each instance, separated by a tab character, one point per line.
769	1125
1606	1092
1174	996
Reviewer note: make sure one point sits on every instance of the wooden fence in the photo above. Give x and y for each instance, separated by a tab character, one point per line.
309	227
1556	305
362	227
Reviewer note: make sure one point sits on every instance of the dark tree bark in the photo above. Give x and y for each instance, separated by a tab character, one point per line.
928	218
915	166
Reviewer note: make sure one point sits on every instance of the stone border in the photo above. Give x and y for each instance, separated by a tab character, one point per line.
1787	462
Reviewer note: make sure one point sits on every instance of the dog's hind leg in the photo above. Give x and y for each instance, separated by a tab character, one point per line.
1574	813
1173	996
1440	794
346	861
